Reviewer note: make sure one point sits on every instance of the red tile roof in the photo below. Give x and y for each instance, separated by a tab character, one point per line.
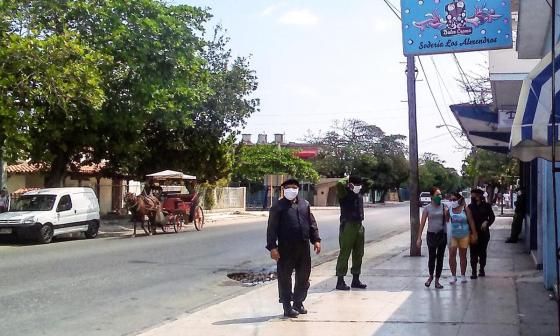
27	168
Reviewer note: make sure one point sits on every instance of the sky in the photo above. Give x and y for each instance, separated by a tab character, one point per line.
322	60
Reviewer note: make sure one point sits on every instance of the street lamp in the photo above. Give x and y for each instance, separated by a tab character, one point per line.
447	125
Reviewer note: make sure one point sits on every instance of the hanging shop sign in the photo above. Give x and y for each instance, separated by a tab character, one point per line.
449	26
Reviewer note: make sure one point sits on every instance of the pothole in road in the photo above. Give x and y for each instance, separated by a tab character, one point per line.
252	278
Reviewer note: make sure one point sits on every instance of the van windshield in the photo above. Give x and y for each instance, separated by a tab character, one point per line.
34	203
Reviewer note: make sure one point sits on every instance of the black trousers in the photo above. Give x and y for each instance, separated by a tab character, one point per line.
437	243
516	226
479	251
294	256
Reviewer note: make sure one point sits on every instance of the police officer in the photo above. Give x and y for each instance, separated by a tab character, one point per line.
483	217
291	228
351	236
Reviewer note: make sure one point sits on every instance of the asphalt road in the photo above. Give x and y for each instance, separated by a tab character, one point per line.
119	286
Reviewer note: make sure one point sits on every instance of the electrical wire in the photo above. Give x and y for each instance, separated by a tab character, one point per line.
394	9
437	105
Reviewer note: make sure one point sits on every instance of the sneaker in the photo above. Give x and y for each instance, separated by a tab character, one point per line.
453	280
463	279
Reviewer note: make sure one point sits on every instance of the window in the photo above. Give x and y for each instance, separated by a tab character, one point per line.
64	204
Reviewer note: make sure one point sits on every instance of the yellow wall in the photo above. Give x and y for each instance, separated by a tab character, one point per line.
15	182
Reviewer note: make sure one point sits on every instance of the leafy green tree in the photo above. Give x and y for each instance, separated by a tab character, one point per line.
432	172
356	147
132	82
486	167
254	162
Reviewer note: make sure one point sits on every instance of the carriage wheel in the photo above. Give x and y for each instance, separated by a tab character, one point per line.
170	221
179	222
198	218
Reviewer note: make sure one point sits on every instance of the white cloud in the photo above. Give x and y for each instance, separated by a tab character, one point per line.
303	17
271	9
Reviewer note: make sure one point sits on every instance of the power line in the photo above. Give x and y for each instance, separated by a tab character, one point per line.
394	9
437	105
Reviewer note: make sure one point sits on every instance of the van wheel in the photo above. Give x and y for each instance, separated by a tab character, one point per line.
45	234
93	230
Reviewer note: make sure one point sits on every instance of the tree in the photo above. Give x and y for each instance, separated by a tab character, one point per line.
432	172
486	167
355	147
130	82
254	162
204	146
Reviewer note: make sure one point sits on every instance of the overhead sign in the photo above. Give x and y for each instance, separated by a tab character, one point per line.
505	119
448	26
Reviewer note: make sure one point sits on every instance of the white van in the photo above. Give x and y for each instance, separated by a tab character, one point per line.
45	213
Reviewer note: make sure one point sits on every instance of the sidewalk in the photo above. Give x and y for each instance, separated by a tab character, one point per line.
509	301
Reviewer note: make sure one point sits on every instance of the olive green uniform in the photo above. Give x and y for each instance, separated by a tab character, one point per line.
352	232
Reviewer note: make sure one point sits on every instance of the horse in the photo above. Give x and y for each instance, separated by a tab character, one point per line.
143	206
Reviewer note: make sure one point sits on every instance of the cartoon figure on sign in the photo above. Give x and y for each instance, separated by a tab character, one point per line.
453	18
455	14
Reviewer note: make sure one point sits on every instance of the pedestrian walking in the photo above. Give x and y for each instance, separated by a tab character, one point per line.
483	217
351	233
291	229
462	233
437	216
4	200
518	216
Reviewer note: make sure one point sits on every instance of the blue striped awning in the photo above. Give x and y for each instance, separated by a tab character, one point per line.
531	133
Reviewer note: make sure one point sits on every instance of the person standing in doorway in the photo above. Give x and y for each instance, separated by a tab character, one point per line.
518	216
462	225
483	217
291	229
352	232
437	215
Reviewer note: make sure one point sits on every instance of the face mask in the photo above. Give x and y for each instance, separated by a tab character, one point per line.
357	189
437	199
454	204
291	193
519	193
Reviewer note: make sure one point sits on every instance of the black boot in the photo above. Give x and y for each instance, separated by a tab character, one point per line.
482	273
356	282
300	308
289	311
474	275
341	285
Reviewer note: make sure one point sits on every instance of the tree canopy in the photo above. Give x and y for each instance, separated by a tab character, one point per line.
433	172
133	82
353	146
256	161
486	167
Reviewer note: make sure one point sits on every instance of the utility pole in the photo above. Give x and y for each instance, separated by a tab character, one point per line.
413	156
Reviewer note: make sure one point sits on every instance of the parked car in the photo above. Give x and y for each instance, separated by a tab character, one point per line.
425	198
45	213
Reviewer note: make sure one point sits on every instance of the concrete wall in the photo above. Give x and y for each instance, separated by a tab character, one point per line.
230	198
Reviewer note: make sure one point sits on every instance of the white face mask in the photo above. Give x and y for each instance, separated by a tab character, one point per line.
357	189
454	204
519	193
291	193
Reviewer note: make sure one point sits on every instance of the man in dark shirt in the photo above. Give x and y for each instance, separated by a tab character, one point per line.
518	217
291	228
352	232
483	217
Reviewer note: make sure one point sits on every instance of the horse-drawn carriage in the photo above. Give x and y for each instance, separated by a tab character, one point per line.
166	202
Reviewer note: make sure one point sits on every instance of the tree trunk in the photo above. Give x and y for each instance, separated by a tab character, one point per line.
55	176
382	198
